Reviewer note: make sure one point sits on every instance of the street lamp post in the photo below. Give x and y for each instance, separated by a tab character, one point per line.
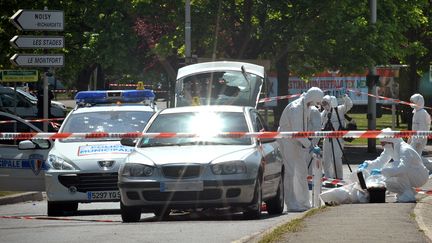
372	79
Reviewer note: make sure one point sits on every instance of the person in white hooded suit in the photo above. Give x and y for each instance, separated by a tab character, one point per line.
404	173
332	147
421	121
399	167
294	150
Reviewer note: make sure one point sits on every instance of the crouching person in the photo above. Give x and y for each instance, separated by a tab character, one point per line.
401	168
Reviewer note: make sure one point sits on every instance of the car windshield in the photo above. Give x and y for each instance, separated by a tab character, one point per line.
103	121
219	88
207	124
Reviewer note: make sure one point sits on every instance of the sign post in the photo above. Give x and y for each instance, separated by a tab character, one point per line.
39	20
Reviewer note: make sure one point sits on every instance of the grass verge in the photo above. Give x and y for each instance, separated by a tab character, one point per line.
294	225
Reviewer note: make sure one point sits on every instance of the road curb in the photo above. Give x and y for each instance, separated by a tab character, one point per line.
419	210
256	236
21	197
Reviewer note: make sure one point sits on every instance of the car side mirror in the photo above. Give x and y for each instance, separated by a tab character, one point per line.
26	144
131	142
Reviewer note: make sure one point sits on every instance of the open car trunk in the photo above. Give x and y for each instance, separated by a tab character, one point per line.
219	83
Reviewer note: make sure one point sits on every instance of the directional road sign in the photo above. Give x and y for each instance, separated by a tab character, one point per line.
45	42
19	75
35	60
46	20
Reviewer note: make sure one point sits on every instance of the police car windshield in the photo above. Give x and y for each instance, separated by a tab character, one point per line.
109	122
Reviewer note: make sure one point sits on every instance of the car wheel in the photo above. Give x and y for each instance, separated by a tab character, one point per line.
162	213
276	204
60	209
130	213
254	210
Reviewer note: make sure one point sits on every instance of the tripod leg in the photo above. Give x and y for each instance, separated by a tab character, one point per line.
334	158
343	155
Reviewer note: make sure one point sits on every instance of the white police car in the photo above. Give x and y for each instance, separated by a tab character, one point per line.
83	170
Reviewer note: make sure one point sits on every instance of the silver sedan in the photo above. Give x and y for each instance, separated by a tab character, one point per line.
202	172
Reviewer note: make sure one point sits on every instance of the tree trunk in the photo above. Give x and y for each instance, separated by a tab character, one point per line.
282	80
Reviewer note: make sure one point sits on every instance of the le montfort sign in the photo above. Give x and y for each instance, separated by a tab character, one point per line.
38	20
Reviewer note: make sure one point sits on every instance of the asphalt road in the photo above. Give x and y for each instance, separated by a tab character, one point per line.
27	222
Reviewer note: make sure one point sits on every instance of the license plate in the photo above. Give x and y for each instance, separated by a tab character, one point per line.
181	186
103	195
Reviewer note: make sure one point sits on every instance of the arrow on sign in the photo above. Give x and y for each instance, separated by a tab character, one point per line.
46	42
49	20
34	60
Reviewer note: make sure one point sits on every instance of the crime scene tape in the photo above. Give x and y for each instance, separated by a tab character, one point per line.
306	134
387	98
263	100
268	99
332	181
422	191
34	120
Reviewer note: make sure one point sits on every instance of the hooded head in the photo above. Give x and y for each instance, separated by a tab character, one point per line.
334	102
418	100
326	102
390	143
313	96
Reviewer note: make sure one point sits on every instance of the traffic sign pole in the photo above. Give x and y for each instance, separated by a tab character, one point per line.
39	20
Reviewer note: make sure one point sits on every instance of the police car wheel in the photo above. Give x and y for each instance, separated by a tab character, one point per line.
60	209
130	213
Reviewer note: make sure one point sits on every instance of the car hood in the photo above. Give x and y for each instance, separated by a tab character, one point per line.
201	154
81	154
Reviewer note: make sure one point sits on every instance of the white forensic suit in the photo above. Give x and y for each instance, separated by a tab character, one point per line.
400	176
404	173
314	124
421	121
332	149
294	150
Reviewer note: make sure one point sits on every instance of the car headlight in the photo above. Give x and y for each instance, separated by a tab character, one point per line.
229	168
58	163
137	170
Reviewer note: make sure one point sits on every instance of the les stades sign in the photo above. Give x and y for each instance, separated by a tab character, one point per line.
43	20
45	42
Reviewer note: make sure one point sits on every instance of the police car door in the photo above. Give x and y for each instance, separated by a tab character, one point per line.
22	162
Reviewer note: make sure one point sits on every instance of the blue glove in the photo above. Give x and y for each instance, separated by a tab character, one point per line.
376	172
363	166
316	150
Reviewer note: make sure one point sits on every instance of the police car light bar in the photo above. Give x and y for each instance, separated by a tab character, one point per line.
113	96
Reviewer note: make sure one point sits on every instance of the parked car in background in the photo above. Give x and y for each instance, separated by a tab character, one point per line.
24	105
202	172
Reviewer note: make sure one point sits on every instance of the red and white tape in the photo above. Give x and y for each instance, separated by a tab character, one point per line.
423	191
307	134
387	98
336	182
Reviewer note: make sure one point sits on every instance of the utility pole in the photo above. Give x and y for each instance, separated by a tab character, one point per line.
188	33
371	81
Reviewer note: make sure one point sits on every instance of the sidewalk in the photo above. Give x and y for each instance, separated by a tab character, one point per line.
370	222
